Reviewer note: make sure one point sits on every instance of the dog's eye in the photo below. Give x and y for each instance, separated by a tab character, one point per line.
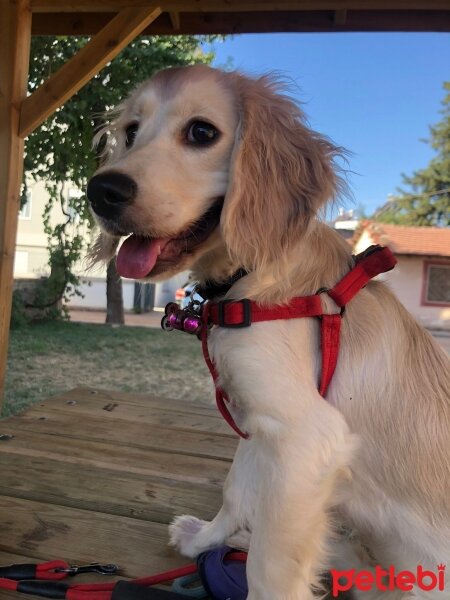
201	133
130	134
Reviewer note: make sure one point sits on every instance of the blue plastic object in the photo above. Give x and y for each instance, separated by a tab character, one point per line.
180	587
223	579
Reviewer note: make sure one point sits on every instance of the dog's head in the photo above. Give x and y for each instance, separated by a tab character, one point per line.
200	161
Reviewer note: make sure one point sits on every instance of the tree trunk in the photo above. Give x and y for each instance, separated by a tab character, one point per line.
114	297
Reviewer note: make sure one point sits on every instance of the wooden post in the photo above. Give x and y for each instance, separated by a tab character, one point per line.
86	63
15	36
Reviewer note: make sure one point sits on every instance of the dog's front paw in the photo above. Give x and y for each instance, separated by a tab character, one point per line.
185	534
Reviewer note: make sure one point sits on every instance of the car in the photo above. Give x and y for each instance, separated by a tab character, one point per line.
186	293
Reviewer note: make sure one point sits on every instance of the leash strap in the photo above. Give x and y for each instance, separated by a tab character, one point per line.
48	587
54	570
40	580
236	314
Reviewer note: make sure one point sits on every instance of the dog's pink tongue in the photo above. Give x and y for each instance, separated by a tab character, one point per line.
137	256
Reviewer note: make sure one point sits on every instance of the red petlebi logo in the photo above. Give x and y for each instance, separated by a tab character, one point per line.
388	580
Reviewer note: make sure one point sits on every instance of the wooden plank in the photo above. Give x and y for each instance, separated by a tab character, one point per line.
63	84
103	455
10	558
85	408
15	36
81	536
139	399
237	5
252	22
126	434
106	489
6	595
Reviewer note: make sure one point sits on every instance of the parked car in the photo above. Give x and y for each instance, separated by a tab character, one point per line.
186	293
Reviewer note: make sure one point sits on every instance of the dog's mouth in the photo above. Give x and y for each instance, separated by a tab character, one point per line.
142	256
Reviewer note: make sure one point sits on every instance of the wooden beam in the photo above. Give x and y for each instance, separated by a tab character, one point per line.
60	6
340	17
234	23
15	36
175	20
72	76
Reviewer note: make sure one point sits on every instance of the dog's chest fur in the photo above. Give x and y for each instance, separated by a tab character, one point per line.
270	373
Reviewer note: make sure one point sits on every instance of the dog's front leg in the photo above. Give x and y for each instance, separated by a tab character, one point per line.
303	462
191	535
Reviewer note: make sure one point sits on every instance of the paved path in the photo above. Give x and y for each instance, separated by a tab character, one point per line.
153	319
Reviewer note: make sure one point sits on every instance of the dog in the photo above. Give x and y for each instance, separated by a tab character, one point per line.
215	171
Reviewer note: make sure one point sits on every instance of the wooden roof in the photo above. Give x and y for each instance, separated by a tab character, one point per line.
76	17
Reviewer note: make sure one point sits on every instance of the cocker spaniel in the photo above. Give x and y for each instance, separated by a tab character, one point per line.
215	172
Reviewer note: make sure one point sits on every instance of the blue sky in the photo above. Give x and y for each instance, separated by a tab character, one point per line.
375	94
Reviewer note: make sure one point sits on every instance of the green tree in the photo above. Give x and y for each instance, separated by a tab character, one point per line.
60	151
428	202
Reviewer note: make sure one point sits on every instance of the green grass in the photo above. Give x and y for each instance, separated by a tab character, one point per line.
49	358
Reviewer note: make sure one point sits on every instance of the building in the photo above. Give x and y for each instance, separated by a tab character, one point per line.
346	223
421	280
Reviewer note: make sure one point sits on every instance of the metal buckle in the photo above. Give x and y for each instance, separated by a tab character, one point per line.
324	290
109	569
247	308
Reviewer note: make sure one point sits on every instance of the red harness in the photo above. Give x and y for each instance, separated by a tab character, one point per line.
234	314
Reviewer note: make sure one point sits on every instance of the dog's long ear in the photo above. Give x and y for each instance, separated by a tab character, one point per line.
281	173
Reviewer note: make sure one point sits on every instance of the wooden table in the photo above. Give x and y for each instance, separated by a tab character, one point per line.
96	476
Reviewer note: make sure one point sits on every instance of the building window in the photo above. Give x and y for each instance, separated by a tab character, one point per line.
25	211
436	289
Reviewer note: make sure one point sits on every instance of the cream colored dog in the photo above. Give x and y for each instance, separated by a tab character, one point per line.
214	172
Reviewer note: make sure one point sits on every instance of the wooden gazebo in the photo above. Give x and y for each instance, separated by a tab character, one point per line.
95	475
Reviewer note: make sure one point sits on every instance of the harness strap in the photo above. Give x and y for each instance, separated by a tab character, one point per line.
242	313
221	397
369	264
330	329
235	314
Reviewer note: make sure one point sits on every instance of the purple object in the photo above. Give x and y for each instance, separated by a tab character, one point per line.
192	324
223	579
182	319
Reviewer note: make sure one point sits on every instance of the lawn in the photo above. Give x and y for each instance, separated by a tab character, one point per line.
48	358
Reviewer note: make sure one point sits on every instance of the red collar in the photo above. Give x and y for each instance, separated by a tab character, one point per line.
242	313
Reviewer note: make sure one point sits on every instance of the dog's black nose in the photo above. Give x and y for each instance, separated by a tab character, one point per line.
110	192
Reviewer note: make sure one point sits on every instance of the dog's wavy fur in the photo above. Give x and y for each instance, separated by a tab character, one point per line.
376	454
